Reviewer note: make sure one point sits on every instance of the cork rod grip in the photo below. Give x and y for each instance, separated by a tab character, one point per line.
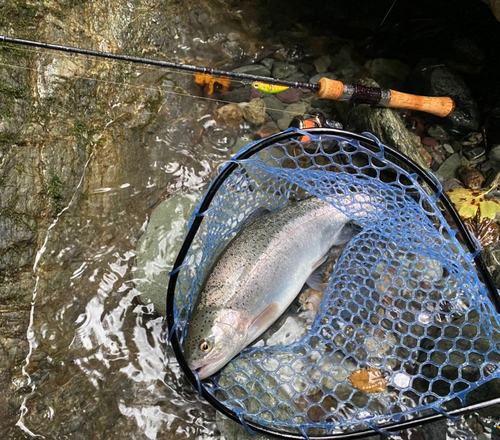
330	89
439	106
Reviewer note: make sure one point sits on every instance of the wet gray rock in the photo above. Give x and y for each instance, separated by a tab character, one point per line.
274	106
449	168
388	126
330	75
299	77
389	73
438	132
240	94
318	104
267	63
343	64
290	96
321	64
494	156
254	69
282	70
297	109
433	79
255	111
158	248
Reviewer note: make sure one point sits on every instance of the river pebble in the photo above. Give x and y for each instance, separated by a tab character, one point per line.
282	70
297	109
431	79
267	63
231	115
266	131
255	111
321	64
330	75
449	168
471	177
290	96
274	106
254	69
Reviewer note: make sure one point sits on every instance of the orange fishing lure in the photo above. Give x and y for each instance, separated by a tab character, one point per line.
211	84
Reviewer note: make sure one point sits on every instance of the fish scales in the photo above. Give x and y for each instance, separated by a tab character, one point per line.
257	276
254	248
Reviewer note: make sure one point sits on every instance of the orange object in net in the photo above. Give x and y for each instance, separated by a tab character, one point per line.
369	381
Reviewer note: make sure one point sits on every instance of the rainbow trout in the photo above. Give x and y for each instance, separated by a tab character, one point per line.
257	276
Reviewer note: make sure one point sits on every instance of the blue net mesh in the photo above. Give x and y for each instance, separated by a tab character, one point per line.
404	299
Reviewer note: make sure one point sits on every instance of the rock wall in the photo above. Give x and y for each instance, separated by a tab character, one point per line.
69	128
495	7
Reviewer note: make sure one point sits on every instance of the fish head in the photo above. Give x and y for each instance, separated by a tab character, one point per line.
214	336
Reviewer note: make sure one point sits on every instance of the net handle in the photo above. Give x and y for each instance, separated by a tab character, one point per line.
226	171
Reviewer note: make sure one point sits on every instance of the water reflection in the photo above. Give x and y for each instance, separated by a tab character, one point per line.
98	365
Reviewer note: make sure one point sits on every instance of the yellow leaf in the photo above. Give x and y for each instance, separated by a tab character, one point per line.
468	201
489	209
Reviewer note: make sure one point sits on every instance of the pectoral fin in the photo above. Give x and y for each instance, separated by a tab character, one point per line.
350	229
263	321
315	281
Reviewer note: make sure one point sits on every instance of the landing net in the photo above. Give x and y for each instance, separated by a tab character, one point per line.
409	301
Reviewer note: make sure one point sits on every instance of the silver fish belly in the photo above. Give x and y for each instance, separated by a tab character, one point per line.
257	276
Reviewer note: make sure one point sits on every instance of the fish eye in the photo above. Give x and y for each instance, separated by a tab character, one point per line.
205	346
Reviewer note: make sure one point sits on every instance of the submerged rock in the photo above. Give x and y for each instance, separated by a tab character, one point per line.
274	106
389	73
430	78
448	170
330	75
321	64
388	126
282	70
471	177
297	109
290	96
254	69
159	246
267	130
231	115
255	111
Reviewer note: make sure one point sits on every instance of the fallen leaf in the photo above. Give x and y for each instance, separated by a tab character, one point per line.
369	381
486	231
468	201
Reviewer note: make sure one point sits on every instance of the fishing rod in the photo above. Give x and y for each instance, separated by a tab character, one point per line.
325	88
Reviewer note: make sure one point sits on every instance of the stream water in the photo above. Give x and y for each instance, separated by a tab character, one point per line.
98	364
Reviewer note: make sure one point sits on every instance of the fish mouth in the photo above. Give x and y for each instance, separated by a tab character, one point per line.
202	372
206	370
209	369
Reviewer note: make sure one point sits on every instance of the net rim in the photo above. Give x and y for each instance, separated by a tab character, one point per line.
388	153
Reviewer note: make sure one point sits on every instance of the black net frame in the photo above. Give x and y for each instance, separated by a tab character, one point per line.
391	155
